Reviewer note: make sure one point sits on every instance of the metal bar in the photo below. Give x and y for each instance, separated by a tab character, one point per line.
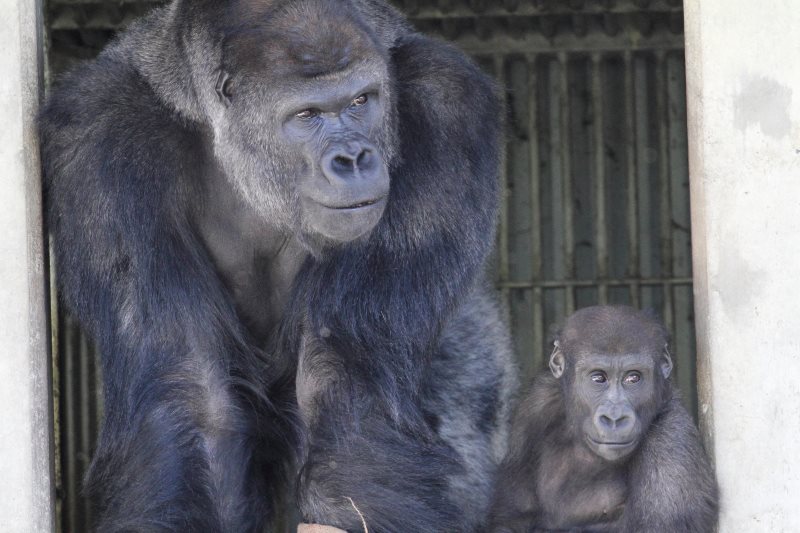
664	171
591	43
432	10
553	263
107	18
679	171
537	318
499	70
572	283
632	201
87	416
668	310
600	226
494	9
99	406
644	156
683	338
69	450
58	392
566	173
665	209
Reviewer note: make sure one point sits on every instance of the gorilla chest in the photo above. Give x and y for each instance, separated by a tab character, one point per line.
256	263
576	494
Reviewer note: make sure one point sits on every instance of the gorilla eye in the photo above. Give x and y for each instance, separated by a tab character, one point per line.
306	114
633	377
599	377
361	100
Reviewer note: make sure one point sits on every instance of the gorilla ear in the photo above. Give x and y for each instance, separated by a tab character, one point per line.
224	87
666	362
557	361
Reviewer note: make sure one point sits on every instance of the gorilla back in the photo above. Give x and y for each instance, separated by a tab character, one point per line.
273	218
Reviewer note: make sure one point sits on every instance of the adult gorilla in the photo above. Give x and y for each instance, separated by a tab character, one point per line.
273	216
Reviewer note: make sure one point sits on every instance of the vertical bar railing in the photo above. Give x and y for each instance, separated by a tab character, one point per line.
72	474
537	295
601	230
568	249
683	340
662	116
630	160
498	63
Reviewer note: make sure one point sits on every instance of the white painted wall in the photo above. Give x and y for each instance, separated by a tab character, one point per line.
743	90
26	494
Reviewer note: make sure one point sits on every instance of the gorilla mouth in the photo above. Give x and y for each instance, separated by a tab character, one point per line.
359	205
618	444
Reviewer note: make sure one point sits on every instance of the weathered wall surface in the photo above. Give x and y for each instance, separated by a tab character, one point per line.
25	412
743	92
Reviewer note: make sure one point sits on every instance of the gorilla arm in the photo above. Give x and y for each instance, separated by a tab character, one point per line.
672	485
175	449
516	505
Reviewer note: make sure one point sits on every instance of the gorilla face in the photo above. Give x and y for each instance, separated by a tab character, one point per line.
614	366
344	191
611	394
304	128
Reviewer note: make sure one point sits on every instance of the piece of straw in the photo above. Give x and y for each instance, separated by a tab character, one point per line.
361	516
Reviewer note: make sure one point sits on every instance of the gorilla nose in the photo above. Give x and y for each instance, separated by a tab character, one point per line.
614	420
614	423
350	161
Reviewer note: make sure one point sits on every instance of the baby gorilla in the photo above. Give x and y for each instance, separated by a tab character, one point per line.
601	442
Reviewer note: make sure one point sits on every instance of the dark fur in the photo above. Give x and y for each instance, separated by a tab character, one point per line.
404	367
667	484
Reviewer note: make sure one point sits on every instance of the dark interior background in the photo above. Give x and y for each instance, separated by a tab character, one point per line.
596	203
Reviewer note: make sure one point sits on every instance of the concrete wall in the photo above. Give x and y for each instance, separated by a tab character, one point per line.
26	494
743	91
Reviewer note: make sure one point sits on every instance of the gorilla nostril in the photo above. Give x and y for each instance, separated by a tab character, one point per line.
342	163
611	421
363	158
